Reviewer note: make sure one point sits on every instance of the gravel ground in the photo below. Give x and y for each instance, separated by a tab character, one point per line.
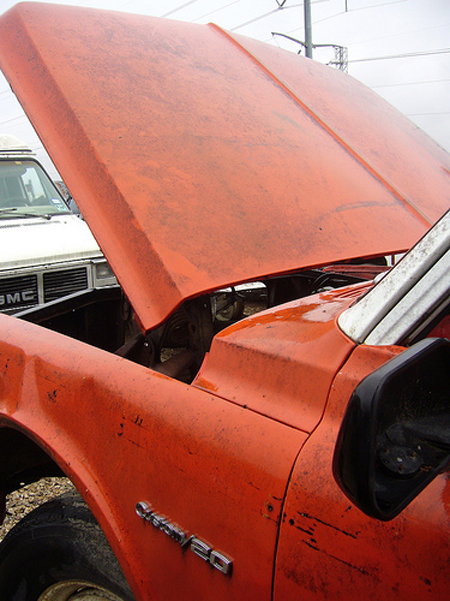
24	500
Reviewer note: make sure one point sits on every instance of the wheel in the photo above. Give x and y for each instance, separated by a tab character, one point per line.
59	553
232	312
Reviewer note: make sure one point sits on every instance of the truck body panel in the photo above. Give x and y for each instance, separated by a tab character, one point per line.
215	436
329	549
140	436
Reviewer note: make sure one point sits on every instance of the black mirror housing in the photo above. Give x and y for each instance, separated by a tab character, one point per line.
395	436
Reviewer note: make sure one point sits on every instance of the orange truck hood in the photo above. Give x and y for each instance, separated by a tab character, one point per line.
202	159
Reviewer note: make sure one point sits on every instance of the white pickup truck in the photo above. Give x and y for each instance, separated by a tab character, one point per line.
46	252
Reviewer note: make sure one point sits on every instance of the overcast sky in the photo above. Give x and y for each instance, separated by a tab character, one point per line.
400	48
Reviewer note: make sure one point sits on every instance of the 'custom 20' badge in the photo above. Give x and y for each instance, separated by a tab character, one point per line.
216	559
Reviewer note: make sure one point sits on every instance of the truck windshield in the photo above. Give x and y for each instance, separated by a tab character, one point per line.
26	190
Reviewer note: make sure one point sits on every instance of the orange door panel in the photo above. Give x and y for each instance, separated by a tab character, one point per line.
329	549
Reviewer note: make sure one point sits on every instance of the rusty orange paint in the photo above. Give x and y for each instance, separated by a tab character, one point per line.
201	160
330	550
281	363
125	434
222	470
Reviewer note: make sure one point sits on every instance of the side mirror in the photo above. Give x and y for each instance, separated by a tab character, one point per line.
395	436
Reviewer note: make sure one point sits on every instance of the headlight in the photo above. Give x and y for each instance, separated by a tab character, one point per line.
104	275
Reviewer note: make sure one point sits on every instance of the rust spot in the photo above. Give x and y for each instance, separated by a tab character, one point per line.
310	517
310	545
52	396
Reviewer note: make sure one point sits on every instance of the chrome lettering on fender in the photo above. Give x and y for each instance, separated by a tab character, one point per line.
216	559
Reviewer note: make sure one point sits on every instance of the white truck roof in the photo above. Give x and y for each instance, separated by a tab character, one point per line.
10	144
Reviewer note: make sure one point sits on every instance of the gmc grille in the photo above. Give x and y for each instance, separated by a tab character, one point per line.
61	283
22	292
18	293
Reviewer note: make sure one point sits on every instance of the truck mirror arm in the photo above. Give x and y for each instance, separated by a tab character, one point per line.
395	436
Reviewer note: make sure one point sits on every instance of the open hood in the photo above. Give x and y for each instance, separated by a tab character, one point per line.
201	159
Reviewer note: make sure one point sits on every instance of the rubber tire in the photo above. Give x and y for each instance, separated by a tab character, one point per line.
58	541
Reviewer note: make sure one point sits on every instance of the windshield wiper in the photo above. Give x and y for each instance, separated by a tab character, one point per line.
13	211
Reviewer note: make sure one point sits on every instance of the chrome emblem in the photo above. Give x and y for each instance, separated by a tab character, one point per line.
13	298
217	560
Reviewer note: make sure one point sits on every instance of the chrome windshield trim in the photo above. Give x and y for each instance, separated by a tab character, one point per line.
413	290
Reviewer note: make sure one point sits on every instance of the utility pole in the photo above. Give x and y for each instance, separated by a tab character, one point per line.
308	29
340	52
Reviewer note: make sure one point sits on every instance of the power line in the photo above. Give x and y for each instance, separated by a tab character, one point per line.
216	10
424	114
410	83
175	10
374	6
13	119
271	12
283	2
385	37
348	10
404	33
405	55
340	52
330	17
